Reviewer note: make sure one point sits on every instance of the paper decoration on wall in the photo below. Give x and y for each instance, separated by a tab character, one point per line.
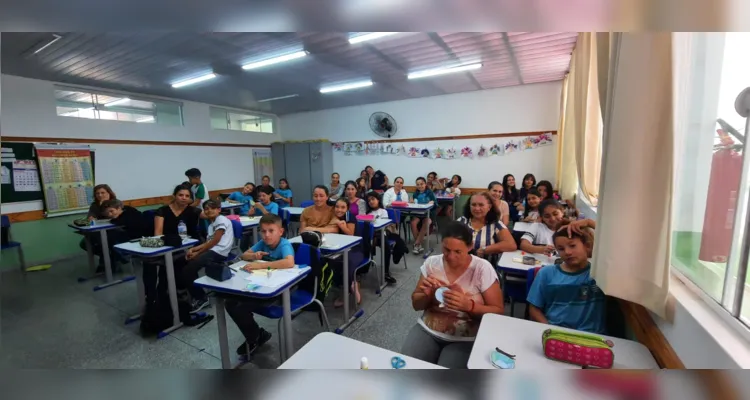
496	150
401	150
544	139
438	153
389	149
450	154
467	152
359	148
510	147
382	150
414	152
372	149
338	147
425	153
482	152
527	144
348	149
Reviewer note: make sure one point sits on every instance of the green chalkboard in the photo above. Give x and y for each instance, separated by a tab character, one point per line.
22	151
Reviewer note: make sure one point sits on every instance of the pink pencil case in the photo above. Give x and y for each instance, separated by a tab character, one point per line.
578	348
399	204
365	218
233	217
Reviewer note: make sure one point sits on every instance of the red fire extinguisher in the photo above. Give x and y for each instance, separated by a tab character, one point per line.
721	201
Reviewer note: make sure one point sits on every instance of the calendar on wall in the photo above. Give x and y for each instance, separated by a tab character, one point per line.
67	178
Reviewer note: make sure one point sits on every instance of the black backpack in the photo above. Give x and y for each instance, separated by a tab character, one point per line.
158	315
318	269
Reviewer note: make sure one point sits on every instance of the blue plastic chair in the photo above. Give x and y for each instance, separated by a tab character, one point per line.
299	298
395	216
517	289
359	230
307	203
237	231
285	218
11	244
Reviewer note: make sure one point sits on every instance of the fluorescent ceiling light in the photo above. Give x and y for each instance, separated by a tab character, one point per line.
442	71
54	39
369	36
116	102
194	80
147	119
278	98
275	60
347	86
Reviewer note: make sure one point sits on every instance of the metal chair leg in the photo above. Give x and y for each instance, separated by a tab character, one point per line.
281	341
323	313
21	259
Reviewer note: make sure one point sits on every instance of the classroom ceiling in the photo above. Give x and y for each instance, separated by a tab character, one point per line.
149	63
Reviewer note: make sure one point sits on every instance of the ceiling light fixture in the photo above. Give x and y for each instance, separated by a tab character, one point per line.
369	36
147	119
278	98
187	82
54	39
275	60
347	86
443	71
117	102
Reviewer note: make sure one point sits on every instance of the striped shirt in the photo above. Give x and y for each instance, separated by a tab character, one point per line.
485	236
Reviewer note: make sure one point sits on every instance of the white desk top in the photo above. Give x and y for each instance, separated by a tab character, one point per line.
294	210
226	204
333	242
445	197
238	283
99	224
522	226
524	339
381	223
414	206
331	351
249	222
506	260
136	248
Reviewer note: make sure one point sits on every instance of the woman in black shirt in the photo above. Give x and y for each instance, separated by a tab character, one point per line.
168	217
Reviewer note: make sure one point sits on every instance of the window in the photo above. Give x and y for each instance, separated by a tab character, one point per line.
710	221
240	121
78	103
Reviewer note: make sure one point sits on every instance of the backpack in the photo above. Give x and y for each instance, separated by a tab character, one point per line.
312	238
158	315
319	269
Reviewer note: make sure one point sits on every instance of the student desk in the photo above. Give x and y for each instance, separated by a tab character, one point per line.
380	225
101	227
420	210
334	243
237	286
506	262
251	223
137	251
232	207
522	226
524	339
330	351
448	199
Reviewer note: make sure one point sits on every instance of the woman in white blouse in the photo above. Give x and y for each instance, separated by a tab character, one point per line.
490	235
396	193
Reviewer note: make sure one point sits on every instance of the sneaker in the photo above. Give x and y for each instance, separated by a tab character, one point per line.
198	304
390	280
263	337
417	249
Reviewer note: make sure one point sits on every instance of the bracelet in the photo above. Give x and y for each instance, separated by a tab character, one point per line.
472	305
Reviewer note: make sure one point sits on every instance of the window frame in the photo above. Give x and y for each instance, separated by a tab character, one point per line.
99	107
228	110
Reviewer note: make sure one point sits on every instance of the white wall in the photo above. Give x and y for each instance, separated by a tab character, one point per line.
525	108
133	171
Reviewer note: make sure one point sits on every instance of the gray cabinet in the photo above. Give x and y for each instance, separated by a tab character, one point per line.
304	165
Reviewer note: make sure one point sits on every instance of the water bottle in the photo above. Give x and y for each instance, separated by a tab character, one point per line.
182	230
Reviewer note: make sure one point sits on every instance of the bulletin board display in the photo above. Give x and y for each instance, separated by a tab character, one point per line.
19	174
67	178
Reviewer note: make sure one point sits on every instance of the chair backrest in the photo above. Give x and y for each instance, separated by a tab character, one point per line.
365	230
320	279
6	221
307	203
236	229
517	237
530	275
394	215
148	219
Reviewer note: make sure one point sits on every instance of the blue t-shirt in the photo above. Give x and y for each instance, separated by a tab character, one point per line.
569	300
424	198
271	207
286	193
246	200
282	250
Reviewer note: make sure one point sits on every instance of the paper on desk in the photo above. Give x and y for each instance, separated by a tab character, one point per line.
278	277
248	219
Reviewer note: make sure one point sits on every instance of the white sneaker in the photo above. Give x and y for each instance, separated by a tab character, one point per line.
417	249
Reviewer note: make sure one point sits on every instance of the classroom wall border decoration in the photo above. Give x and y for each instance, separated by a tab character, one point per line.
437	152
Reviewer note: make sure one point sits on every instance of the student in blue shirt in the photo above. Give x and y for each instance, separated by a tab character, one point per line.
264	205
277	253
565	295
423	195
244	197
283	194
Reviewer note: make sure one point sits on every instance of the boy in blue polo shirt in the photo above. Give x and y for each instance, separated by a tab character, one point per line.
565	295
277	253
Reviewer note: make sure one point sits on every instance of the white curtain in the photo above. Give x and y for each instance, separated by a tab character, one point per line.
633	241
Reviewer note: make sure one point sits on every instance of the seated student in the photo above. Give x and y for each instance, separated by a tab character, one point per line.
278	254
531	210
565	295
102	193
214	251
496	189
200	193
264	204
319	216
451	188
375	209
396	193
336	189
373	206
347	224
545	191
357	205
244	197
423	195
378	180
265	182
130	219
529	181
490	236
445	334
283	194
539	238
434	183
362	187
